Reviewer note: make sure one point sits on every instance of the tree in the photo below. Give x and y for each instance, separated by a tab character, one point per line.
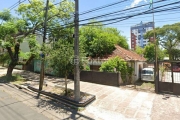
149	53
60	58
139	50
167	36
14	30
99	40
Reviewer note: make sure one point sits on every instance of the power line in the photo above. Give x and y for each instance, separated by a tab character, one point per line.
124	18
134	14
123	25
100	16
137	15
130	22
123	5
16	4
102	7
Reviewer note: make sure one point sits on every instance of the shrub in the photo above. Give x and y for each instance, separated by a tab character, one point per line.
115	64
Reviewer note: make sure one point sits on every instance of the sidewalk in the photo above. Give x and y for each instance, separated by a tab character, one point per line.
113	103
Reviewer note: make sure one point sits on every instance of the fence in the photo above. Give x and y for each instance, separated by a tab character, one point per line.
104	78
169	77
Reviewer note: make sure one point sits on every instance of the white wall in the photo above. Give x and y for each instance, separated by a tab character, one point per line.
136	70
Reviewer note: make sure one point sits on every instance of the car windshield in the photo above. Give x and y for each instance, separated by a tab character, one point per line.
147	72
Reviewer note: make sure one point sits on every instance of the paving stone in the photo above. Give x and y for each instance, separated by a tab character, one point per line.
130	112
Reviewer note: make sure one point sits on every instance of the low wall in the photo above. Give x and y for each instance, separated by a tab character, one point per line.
104	78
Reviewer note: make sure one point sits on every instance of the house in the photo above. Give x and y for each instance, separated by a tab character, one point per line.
24	46
134	60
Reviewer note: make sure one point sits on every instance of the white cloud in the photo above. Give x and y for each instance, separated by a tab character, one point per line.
135	3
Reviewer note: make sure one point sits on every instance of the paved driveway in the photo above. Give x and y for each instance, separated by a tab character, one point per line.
115	103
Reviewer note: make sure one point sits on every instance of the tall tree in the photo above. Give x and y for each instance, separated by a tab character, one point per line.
30	21
167	36
99	40
61	59
149	52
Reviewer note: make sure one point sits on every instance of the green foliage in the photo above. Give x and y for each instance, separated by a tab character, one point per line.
139	50
31	20
4	58
149	53
24	55
167	36
175	54
5	15
87	68
60	58
99	40
119	65
34	46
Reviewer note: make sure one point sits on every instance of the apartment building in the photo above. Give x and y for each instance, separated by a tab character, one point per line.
137	33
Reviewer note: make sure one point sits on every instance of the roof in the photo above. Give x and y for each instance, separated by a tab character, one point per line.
148	68
127	55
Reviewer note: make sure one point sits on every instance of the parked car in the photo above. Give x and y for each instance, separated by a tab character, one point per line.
176	69
147	74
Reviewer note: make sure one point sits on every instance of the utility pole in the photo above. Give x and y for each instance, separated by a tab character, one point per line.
156	63
43	55
76	53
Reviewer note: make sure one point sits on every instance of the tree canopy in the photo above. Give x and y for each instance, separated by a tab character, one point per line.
149	52
168	37
99	40
29	22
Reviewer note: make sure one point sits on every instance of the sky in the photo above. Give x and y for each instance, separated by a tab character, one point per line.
166	17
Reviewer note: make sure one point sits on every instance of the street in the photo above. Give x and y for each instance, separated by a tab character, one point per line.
13	109
20	104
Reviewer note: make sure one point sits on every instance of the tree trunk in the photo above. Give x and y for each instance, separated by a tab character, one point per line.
66	91
10	69
170	56
14	58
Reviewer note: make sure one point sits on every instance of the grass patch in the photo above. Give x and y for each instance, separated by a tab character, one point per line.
15	79
145	85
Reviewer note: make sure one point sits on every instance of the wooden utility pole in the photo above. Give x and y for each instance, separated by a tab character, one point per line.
76	53
43	54
155	50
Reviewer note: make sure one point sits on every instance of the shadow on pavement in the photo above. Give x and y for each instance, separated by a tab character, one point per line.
61	109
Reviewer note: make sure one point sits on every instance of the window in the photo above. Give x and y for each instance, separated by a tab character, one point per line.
147	72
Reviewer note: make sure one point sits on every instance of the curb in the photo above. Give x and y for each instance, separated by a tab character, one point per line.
64	99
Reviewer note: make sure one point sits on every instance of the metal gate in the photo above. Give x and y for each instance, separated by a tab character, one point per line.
169	77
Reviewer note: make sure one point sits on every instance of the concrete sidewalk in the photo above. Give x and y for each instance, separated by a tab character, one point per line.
116	103
120	103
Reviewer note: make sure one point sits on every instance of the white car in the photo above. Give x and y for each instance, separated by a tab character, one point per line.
147	74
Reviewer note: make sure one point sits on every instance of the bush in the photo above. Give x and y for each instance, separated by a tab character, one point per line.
117	64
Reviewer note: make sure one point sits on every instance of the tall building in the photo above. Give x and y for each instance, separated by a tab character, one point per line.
137	33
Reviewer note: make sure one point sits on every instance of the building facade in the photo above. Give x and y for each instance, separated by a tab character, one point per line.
137	33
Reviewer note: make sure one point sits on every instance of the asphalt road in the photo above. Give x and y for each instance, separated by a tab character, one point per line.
12	109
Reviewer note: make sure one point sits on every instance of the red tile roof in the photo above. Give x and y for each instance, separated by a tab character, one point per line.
127	55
